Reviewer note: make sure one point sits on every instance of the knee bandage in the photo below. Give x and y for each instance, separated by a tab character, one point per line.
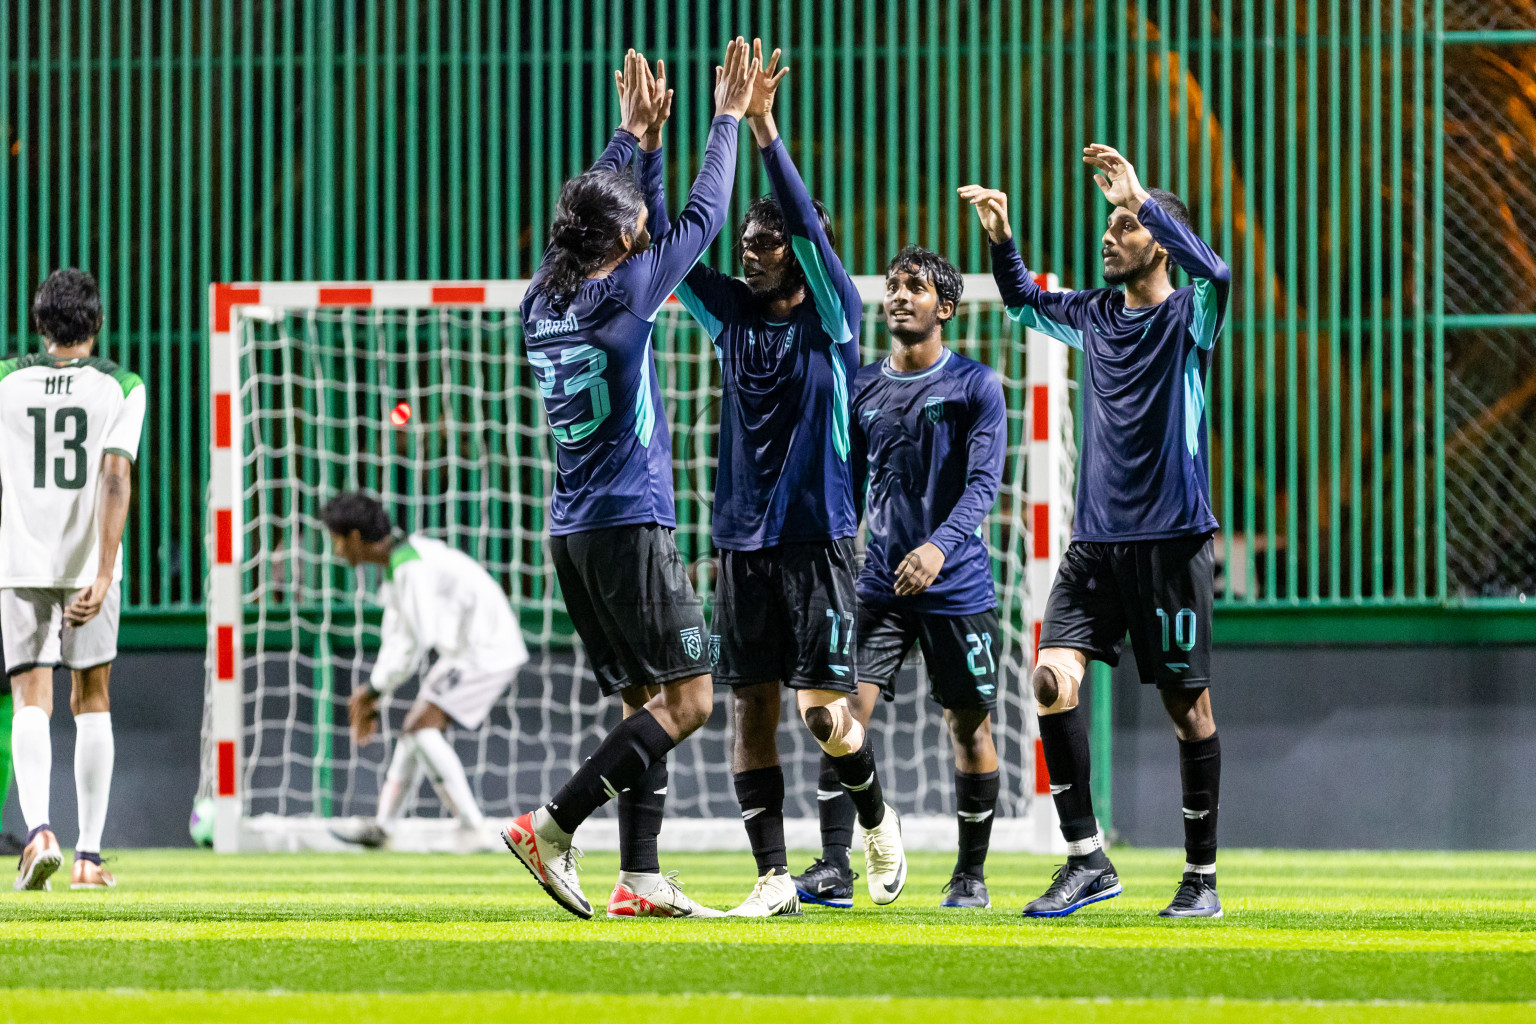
831	721
1064	669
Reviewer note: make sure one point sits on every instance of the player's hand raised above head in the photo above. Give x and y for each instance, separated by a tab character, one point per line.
992	207
734	78
765	83
644	99
1118	181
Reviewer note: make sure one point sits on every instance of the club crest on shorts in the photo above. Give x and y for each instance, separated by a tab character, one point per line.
934	408
714	649
693	641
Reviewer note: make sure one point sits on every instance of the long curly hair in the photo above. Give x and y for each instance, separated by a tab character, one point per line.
595	211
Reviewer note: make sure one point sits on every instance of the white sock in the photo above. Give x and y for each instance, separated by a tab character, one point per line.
445	769
402	779
545	825
1083	847
640	881
1199	869
94	753
32	755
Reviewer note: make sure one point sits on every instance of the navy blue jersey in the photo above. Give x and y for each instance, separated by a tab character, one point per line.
930	445
784	474
1144	473
595	368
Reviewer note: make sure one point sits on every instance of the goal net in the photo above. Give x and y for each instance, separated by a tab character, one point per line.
420	393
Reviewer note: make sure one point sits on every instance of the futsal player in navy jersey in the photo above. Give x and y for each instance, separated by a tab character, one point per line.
929	438
1141	556
787	337
588	317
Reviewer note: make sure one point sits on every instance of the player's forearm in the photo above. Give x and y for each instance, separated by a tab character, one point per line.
764	130
967	515
831	288
1188	250
708	203
1014	281
617	154
113	498
653	185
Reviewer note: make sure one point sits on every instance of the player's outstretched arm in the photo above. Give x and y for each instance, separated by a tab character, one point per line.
658	273
706	293
1116	178
837	299
1058	314
113	493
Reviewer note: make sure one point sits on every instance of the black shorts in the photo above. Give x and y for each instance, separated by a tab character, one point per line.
628	594
960	652
1158	590
787	614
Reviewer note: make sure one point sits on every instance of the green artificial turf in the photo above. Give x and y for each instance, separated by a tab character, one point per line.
1308	937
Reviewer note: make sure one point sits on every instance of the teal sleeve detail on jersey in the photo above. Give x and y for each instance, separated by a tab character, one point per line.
398	556
7	366
1030	317
829	306
1194	403
840	442
128	381
695	308
1205	323
645	416
118	451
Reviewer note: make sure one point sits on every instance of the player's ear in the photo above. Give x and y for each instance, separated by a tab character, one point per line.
946	311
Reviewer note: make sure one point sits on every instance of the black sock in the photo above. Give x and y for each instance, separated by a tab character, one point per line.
836	810
856	772
619	761
975	804
1200	772
1064	739
641	807
761	795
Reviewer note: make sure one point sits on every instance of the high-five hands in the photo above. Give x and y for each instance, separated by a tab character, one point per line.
992	207
1118	181
765	85
733	80
645	102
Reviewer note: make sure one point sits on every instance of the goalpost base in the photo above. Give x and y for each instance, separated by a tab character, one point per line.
270	833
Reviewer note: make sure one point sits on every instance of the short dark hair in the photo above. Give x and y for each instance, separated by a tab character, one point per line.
355	510
933	268
766	210
1171	204
67	307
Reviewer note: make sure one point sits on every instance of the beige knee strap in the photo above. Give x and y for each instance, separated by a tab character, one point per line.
1067	666
847	735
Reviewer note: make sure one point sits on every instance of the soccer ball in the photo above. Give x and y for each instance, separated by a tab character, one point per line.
201	825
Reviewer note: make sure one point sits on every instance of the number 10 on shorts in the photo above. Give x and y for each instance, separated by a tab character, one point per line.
1184	628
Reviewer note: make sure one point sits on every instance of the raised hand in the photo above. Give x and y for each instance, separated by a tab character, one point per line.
1118	181
663	107
733	80
644	100
992	207
765	84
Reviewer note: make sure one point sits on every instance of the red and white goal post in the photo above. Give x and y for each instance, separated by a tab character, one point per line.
303	380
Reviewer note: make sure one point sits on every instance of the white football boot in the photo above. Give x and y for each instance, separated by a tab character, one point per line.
654	895
551	861
885	862
774	895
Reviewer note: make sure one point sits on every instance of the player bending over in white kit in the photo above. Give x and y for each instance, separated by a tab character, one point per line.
69	432
435	597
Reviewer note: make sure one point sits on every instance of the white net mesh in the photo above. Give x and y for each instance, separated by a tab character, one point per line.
473	466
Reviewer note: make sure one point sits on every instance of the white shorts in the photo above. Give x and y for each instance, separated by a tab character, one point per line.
32	625
465	694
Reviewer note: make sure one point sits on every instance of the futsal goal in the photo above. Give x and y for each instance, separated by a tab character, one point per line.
420	393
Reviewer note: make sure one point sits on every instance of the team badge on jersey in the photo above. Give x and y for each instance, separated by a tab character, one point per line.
934	408
714	649
693	641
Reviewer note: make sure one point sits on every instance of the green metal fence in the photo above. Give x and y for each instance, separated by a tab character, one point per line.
1365	167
